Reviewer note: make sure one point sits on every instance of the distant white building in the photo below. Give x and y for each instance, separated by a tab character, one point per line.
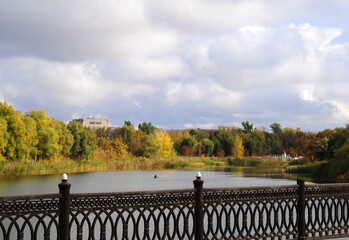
93	123
284	156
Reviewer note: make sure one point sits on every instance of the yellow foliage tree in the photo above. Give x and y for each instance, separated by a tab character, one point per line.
165	141
119	148
238	147
3	140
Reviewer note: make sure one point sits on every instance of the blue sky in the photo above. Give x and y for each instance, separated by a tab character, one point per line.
179	64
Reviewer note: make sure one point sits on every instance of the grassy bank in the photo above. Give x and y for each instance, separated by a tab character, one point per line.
306	168
73	166
318	171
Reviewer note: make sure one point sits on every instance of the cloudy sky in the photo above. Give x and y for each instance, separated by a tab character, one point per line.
179	64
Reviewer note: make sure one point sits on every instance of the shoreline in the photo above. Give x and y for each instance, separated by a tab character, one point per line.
73	166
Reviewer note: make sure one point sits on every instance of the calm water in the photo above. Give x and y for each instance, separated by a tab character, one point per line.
144	180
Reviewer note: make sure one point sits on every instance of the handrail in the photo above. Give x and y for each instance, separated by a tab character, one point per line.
313	211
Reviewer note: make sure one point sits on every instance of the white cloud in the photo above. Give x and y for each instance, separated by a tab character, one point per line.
69	84
80	31
200	62
204	16
148	69
188	126
202	94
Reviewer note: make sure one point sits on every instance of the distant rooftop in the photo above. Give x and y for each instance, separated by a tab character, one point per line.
93	122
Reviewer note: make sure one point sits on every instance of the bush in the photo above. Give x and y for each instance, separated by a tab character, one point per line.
176	164
209	162
297	162
247	162
314	168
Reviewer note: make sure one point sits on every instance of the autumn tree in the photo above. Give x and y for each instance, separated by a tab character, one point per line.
119	148
307	145
289	140
238	147
103	133
31	138
17	136
3	137
48	138
104	150
190	142
165	142
132	138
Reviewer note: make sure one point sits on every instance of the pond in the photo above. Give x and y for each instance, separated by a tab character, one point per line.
120	181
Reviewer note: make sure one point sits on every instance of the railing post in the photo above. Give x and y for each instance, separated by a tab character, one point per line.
199	208
301	210
64	205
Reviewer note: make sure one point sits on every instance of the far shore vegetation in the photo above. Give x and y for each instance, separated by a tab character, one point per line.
34	143
139	163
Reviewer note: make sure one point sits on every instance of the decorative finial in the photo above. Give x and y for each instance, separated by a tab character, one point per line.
198	175
64	177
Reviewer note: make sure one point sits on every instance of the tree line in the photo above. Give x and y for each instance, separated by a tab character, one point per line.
36	136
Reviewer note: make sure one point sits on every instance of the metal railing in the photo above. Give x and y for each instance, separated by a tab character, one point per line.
298	211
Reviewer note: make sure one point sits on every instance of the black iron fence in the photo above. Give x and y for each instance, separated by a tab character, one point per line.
280	212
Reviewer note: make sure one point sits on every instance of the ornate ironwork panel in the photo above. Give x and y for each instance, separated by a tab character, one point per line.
137	215
29	217
258	213
327	210
227	213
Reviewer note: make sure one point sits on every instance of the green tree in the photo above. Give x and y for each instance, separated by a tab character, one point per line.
188	143
83	145
273	143
149	147
66	139
340	165
132	138
321	151
215	138
148	128
207	146
48	139
337	139
31	138
128	123
256	142
226	140
127	133
247	126
276	128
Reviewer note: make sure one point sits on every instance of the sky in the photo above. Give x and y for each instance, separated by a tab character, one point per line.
179	64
